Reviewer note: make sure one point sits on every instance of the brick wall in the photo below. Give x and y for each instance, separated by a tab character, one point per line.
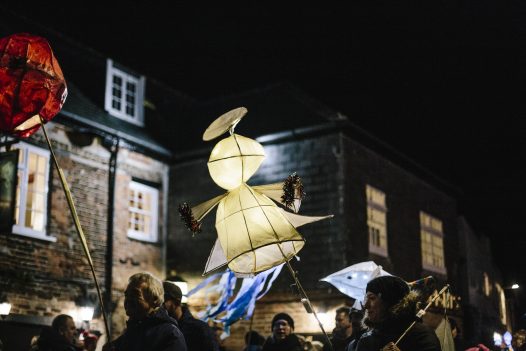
42	279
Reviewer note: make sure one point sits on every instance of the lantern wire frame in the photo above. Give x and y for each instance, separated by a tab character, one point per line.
77	226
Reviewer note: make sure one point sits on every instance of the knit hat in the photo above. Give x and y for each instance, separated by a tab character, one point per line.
390	288
283	316
172	291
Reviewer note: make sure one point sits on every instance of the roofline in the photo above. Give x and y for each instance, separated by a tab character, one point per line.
130	138
348	128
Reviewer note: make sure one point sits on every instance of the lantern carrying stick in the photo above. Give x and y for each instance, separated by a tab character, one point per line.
305	299
421	313
77	226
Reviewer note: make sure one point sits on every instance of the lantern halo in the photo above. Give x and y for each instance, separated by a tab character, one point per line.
224	123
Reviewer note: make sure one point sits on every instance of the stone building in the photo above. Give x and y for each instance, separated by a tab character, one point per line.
386	208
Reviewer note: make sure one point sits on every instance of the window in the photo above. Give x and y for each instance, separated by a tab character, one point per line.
432	243
124	95
142	203
487	285
502	304
31	192
376	221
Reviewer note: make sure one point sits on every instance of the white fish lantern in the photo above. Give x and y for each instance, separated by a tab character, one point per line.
254	234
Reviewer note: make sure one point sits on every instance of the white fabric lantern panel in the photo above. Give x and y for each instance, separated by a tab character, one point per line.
253	232
234	160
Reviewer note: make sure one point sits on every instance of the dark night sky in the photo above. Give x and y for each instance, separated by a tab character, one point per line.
441	81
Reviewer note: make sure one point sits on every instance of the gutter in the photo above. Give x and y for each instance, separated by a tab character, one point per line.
135	140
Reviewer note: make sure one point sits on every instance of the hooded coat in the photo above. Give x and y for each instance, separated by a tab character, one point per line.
158	332
399	317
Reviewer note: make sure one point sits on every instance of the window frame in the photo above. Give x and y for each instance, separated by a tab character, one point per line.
380	208
154	227
139	81
23	184
433	232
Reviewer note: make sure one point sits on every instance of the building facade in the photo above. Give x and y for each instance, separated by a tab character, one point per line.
114	157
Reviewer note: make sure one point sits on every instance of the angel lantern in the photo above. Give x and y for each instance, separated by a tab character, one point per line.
254	234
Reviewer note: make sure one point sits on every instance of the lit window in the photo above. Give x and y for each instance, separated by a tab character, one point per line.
502	304
432	243
124	95
487	285
376	221
31	192
142	204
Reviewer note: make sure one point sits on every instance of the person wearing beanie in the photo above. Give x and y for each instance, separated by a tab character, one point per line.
390	308
283	337
197	334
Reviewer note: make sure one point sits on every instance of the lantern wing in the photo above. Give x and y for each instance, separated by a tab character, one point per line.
288	193
192	217
216	259
33	86
275	192
299	220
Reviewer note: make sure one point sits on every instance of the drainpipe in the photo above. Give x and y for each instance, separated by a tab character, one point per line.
114	149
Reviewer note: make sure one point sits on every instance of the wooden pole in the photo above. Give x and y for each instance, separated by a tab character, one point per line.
80	232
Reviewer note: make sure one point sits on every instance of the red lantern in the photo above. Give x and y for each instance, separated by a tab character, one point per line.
31	84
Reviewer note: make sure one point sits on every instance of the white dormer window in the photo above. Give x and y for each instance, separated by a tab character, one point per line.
124	95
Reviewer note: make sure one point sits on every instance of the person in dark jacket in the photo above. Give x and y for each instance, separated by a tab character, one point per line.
61	336
390	308
283	337
253	341
342	333
149	326
358	328
197	334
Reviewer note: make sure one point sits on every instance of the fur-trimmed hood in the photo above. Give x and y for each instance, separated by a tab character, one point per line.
400	313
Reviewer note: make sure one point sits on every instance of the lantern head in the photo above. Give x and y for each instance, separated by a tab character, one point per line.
32	84
234	160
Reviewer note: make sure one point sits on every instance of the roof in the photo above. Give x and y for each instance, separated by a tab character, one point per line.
85	73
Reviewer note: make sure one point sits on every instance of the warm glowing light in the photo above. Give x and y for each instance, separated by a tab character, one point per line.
184	289
327	320
85	313
5	308
253	233
515	286
234	160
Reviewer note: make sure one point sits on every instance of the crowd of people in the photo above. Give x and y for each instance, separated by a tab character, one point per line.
158	321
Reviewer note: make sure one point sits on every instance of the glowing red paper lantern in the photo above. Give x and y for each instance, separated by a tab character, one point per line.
31	84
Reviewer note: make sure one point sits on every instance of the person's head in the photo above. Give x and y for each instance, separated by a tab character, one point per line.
143	295
172	299
64	325
254	338
382	293
356	318
342	318
282	326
